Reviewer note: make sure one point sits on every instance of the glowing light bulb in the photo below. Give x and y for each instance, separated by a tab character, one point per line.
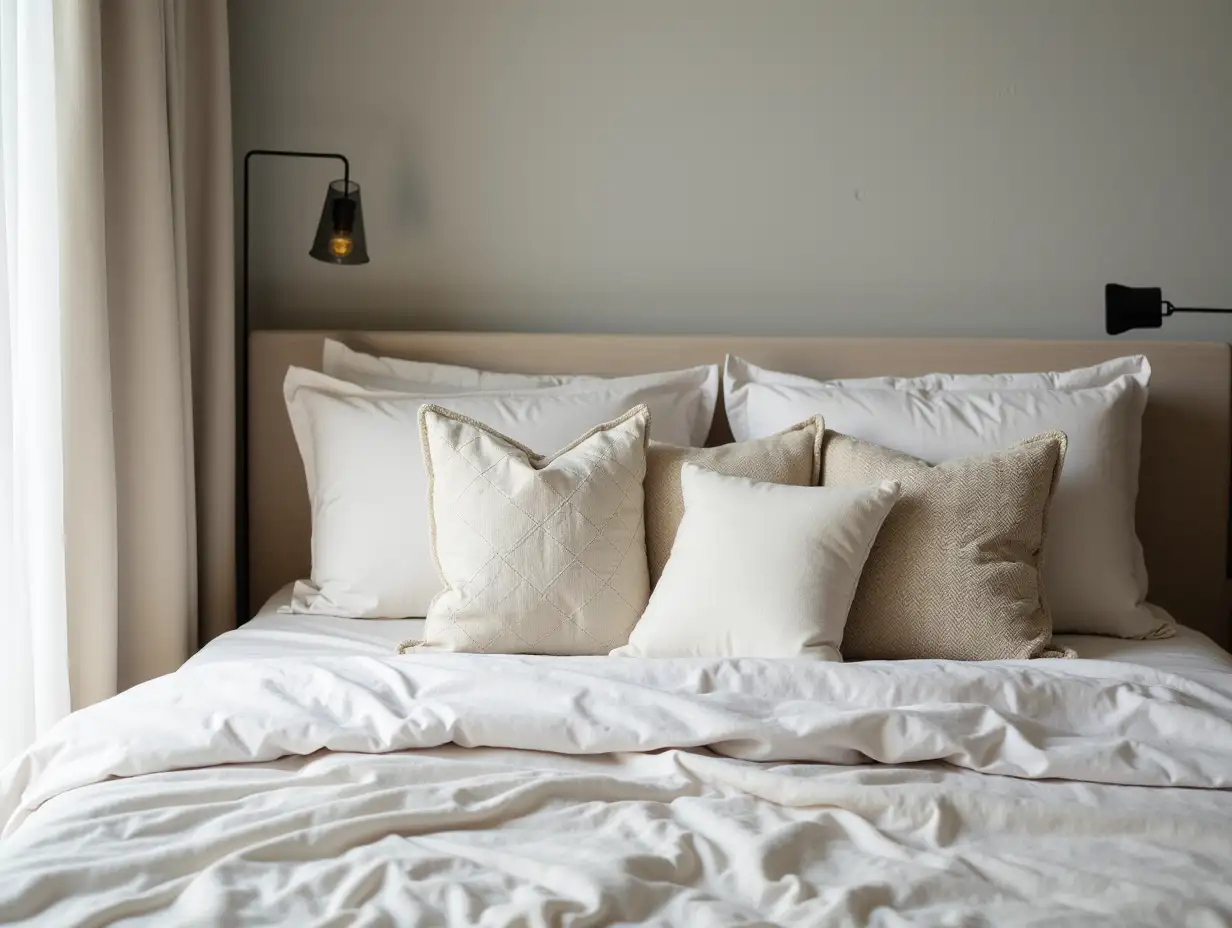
341	244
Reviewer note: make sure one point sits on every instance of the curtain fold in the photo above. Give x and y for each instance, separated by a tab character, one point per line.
90	476
157	617
116	372
209	223
170	290
34	629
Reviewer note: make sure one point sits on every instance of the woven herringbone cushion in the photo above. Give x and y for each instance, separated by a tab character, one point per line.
539	555
955	570
791	457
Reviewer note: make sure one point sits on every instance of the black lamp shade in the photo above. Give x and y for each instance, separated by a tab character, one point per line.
1128	308
342	224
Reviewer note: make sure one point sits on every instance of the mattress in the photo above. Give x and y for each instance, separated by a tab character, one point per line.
272	633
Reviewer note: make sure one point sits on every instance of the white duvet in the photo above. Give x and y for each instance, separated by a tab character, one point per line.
481	790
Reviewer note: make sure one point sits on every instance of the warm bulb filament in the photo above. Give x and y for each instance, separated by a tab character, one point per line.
340	244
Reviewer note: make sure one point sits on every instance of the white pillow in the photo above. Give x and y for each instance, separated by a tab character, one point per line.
540	555
760	569
1094	573
363	461
382	373
1097	375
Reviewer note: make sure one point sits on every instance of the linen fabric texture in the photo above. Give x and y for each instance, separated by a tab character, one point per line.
539	555
955	571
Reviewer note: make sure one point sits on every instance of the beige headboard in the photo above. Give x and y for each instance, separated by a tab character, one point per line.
1182	503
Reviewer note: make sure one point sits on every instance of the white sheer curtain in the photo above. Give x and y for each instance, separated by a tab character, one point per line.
33	609
116	309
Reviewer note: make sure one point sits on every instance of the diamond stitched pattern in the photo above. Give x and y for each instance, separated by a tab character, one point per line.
538	555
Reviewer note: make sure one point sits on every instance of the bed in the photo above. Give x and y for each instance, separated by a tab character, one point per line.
276	632
299	771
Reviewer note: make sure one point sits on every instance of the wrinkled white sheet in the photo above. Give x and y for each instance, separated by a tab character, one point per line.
601	790
272	633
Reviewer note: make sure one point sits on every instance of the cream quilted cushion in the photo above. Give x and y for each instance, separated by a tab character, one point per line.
539	555
792	457
955	570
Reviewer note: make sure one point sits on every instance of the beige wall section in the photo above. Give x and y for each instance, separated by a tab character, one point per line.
974	167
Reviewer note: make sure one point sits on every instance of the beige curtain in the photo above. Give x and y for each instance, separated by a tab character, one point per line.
143	92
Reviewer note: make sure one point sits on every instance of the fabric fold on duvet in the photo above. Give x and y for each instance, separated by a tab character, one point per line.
1086	720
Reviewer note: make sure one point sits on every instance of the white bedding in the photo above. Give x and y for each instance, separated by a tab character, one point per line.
271	781
274	634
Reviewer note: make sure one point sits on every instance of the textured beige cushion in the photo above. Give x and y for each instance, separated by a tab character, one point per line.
955	570
539	555
792	457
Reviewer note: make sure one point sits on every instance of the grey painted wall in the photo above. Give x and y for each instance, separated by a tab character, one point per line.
978	167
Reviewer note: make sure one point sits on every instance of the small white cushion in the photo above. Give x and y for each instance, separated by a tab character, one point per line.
540	555
760	569
1094	572
363	461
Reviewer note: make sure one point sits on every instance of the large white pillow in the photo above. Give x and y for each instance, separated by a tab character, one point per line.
1097	375
383	373
1094	573
760	569
426	377
363	461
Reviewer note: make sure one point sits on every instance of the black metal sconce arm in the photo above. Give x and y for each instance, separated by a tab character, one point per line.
1169	309
242	328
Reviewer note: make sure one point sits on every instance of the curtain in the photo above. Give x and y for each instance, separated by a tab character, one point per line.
116	321
33	620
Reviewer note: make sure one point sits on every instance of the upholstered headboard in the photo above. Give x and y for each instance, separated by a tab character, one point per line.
1182	501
